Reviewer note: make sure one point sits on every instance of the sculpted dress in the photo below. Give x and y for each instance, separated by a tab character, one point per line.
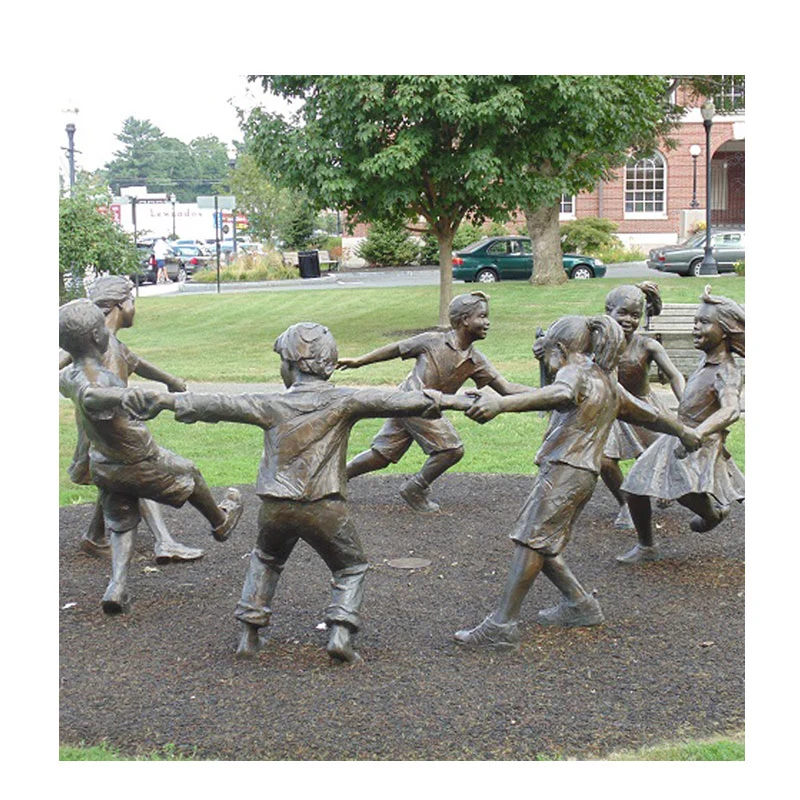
667	471
627	441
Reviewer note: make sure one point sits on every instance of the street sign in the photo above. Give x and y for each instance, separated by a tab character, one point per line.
226	202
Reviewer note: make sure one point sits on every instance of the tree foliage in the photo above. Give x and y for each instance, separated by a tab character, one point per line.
568	133
164	164
393	147
89	239
444	147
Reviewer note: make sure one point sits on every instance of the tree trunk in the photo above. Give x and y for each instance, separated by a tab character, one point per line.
445	239
545	234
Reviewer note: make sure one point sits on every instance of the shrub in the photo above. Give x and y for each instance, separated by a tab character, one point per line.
588	236
266	266
388	244
738	268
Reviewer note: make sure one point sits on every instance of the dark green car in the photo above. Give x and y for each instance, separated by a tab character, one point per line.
502	258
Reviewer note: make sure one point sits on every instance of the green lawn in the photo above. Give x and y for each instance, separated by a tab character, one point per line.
229	338
730	748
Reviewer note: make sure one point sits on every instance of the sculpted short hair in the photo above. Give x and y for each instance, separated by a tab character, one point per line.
311	346
464	304
110	291
76	322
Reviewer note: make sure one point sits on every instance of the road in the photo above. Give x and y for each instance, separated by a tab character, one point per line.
351	279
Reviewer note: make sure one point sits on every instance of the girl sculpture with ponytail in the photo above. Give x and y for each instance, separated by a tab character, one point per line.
581	354
707	480
625	304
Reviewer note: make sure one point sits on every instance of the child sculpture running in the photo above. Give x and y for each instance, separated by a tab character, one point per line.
113	295
125	463
581	353
707	480
301	479
444	361
625	305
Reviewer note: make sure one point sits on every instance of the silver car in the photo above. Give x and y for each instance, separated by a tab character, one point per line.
727	247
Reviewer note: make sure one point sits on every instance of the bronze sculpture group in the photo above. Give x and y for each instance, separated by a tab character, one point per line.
595	388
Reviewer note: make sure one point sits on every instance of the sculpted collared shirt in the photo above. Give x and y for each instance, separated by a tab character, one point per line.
441	365
716	382
305	430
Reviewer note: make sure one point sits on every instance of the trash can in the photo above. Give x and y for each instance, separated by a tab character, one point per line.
308	262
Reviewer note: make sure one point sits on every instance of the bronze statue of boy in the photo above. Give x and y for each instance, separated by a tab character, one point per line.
125	463
302	478
113	295
444	360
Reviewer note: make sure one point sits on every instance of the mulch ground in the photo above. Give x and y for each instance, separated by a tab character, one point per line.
667	664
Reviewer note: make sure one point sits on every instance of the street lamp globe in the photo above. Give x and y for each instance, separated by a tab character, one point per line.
707	110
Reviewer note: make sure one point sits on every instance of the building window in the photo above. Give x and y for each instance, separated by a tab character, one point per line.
646	186
567	208
729	98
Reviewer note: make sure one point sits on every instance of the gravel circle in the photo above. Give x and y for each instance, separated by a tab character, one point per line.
668	663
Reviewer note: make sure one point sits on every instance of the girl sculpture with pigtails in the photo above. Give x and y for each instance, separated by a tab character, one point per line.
705	480
581	354
625	304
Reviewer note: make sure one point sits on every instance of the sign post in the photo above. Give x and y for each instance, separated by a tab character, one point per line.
217	202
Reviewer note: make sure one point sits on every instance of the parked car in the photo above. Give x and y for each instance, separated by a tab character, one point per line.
178	268
193	257
727	247
511	257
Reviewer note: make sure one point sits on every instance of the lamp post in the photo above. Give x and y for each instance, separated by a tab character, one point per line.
232	163
695	151
709	265
172	200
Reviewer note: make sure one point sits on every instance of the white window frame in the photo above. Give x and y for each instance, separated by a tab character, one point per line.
646	188
563	213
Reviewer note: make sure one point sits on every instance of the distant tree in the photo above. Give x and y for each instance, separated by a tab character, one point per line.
297	229
89	238
265	205
165	164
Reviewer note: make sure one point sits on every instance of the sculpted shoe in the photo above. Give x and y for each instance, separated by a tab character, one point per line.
340	645
116	600
493	635
639	554
623	522
701	524
94	548
232	506
583	614
416	493
175	551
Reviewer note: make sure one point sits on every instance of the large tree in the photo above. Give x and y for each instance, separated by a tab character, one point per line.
569	133
397	147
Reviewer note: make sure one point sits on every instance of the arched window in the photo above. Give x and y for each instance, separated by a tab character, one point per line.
646	186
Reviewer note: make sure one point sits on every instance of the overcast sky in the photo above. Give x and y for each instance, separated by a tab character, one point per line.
182	108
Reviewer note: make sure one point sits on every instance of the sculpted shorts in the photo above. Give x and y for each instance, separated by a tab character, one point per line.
432	435
323	524
559	494
166	478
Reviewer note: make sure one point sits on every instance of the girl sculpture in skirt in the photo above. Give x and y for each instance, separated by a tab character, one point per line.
626	304
705	480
